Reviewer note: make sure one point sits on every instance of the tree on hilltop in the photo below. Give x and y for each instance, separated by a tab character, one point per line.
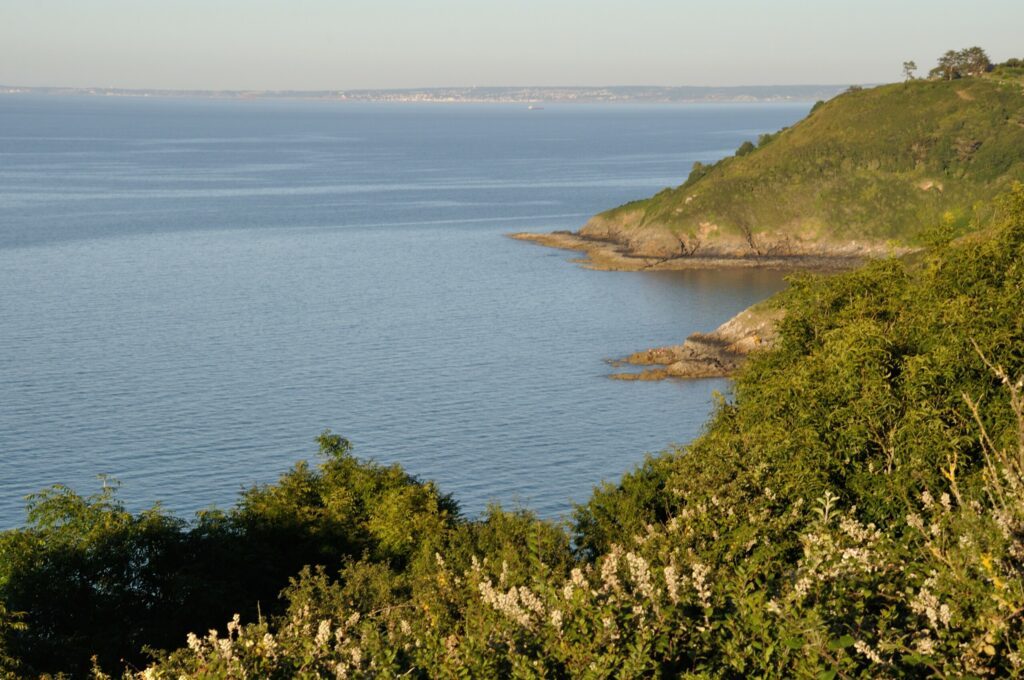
971	61
948	67
974	61
908	70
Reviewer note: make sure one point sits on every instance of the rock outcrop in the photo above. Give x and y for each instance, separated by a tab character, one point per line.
709	355
652	249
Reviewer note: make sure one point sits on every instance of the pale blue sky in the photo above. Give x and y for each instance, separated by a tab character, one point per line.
320	44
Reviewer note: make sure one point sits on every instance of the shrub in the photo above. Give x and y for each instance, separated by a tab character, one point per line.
94	580
745	148
850	512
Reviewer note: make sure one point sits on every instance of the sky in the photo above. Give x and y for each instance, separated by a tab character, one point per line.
353	44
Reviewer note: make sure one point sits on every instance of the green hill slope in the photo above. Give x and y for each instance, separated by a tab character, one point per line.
862	173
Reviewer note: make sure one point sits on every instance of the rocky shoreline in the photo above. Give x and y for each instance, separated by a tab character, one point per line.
608	254
709	355
723	351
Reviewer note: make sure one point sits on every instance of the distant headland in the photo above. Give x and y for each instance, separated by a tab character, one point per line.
482	95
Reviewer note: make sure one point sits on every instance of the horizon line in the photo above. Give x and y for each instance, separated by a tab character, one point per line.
473	94
425	87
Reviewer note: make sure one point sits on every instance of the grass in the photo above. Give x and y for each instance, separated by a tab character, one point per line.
898	163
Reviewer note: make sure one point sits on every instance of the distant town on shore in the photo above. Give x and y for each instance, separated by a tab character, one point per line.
481	95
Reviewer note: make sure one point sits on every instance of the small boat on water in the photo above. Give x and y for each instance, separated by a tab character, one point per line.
534	107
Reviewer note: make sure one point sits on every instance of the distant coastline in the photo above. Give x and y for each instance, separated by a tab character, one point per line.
481	95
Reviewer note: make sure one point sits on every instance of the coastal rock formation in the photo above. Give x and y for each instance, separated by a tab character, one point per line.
656	242
709	355
605	251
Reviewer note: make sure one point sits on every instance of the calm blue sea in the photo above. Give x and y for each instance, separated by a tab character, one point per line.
191	290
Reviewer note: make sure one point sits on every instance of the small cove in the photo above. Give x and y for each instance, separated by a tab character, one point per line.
192	290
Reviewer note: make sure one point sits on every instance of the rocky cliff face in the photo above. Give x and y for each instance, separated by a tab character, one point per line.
653	241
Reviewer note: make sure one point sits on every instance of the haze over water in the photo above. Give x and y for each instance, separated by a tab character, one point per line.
191	290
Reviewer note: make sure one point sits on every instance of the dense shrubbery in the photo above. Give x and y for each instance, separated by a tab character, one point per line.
1010	69
843	515
94	580
856	509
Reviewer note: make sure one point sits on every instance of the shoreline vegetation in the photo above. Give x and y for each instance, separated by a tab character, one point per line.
870	174
853	509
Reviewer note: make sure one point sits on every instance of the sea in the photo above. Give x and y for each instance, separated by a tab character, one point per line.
191	290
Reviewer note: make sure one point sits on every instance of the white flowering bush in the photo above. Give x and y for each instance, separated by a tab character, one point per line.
857	510
945	601
943	597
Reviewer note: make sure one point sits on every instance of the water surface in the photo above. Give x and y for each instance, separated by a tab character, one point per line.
191	290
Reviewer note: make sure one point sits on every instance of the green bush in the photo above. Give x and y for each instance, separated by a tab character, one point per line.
91	579
745	148
856	509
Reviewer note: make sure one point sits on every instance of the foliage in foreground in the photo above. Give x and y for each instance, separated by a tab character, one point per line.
857	509
90	579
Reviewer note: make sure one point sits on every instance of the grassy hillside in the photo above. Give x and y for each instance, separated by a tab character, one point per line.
895	164
855	509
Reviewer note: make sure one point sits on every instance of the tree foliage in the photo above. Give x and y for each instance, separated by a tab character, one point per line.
745	148
856	508
968	62
91	579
